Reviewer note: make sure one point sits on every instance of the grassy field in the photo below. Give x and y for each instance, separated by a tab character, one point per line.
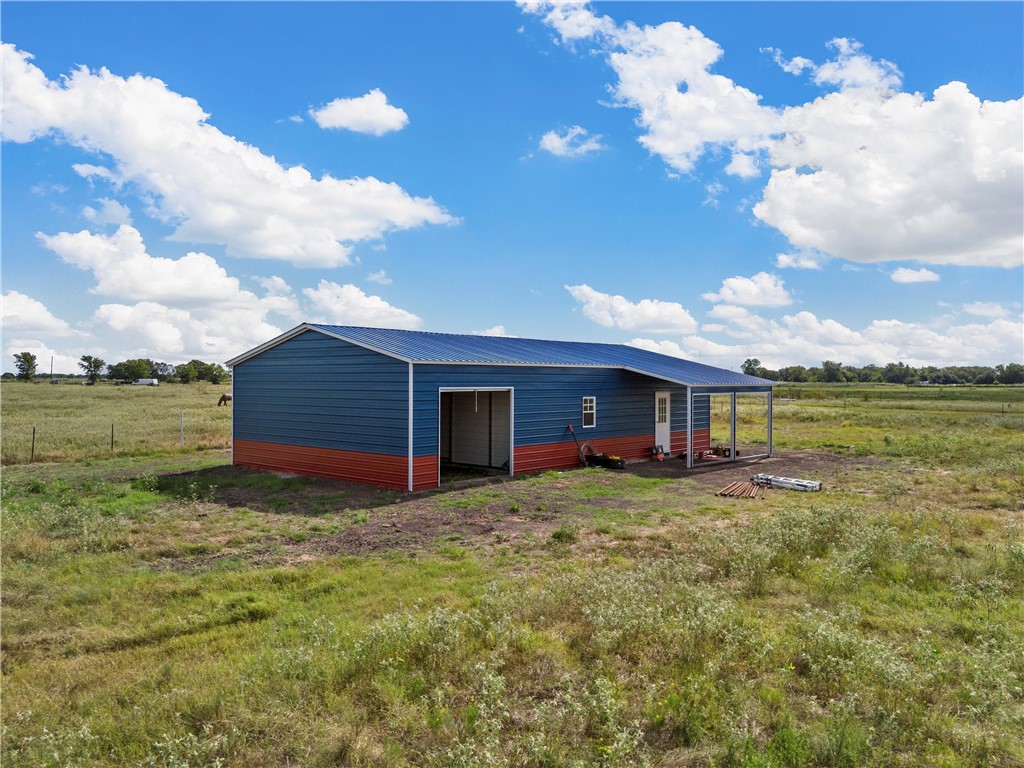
164	609
73	422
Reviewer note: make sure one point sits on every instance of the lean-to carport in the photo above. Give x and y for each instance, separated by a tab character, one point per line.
732	392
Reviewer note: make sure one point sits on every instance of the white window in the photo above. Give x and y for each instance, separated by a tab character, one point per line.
589	411
662	409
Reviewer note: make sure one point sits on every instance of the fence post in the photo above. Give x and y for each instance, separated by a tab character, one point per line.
111	435
32	460
182	429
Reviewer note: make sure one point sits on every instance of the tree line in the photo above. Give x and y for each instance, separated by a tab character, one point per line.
829	371
128	371
892	373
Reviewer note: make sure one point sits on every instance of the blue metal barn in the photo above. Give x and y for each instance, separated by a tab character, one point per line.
389	407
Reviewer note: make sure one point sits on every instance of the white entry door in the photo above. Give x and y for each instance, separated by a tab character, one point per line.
663	420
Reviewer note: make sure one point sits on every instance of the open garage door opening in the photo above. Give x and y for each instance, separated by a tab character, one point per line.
475	433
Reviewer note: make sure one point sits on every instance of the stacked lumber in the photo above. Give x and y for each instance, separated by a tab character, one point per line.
743	489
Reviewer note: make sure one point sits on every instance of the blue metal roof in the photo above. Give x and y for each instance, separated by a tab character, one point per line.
425	347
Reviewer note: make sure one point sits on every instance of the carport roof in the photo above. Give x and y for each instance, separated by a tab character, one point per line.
423	347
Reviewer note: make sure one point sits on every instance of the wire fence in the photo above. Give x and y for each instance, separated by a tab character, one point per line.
68	439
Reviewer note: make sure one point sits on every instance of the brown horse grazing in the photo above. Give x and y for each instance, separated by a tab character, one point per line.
224	399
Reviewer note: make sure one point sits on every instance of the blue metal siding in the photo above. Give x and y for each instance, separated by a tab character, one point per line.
313	390
546	400
701	412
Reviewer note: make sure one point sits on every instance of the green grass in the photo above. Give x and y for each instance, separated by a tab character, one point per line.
73	422
635	621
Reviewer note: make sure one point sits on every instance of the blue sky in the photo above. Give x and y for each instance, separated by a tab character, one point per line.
787	181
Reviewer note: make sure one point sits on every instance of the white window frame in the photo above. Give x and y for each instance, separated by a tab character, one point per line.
592	411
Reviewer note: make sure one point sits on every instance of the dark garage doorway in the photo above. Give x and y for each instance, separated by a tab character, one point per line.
475	432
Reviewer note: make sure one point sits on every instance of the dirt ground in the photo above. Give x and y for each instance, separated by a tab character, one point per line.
807	465
511	513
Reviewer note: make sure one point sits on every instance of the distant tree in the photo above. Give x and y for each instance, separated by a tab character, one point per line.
139	369
1011	374
197	370
25	362
869	373
945	376
897	373
130	370
988	377
186	373
832	371
751	366
163	371
851	373
7	375
93	367
794	373
215	373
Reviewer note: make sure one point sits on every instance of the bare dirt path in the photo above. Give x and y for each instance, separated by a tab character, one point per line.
483	513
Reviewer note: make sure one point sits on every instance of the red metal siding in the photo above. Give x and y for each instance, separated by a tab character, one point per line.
701	441
564	455
372	468
424	472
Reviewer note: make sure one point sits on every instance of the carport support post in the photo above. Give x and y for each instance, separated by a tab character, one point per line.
410	434
689	428
732	429
771	397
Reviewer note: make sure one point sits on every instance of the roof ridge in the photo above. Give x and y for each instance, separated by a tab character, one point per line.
438	347
463	335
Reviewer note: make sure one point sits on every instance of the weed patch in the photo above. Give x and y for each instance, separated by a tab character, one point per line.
174	611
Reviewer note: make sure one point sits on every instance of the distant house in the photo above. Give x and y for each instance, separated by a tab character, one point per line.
390	407
146	382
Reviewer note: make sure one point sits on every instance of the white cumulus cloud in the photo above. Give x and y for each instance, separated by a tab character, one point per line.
664	73
495	330
872	176
210	186
124	268
806	339
172	309
988	309
44	353
853	69
573	142
108	212
21	314
849	69
572	21
905	275
801	260
691	348
761	290
866	172
743	165
613	311
176	334
348	305
370	113
714	190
